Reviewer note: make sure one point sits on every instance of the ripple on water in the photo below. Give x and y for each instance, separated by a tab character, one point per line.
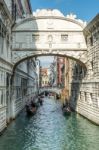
50	130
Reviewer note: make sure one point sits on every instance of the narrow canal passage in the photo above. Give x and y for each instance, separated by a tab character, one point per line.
50	130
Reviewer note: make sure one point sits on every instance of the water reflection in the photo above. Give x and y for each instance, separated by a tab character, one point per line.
50	130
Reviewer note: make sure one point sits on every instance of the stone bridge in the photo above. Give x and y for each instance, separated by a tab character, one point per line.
49	32
50	89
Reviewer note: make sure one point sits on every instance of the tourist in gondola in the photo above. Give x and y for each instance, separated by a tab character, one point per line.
66	108
40	100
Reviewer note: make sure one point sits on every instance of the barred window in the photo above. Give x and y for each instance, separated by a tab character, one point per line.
7	39
1	97
64	37
35	37
2	36
91	40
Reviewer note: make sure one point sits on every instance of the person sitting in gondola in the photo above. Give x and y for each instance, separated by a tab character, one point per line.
40	100
33	103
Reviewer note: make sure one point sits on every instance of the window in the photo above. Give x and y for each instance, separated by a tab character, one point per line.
91	41
1	44
80	95
85	96
2	76
90	98
98	101
7	43
64	37
92	65
35	37
1	97
7	39
2	35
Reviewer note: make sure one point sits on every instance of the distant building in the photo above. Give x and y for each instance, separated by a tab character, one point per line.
60	71
66	82
20	9
44	73
53	72
27	10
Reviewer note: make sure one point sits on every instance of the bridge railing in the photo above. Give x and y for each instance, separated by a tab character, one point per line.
50	87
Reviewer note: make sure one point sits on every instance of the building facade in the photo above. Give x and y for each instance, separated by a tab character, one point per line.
19	85
44	76
5	60
85	83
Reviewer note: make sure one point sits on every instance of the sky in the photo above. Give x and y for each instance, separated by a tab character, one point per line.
85	10
45	61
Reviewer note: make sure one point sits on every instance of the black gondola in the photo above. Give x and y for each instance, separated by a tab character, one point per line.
31	110
40	100
66	111
66	108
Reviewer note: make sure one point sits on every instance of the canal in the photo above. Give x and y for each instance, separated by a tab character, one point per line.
50	130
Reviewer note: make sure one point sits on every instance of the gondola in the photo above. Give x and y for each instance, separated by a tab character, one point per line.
66	111
31	110
40	101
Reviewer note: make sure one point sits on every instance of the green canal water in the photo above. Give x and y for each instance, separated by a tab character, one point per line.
50	130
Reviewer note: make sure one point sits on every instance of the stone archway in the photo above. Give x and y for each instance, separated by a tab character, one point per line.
49	33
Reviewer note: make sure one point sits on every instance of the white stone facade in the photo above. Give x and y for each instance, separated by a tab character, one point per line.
5	61
49	33
85	90
14	92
